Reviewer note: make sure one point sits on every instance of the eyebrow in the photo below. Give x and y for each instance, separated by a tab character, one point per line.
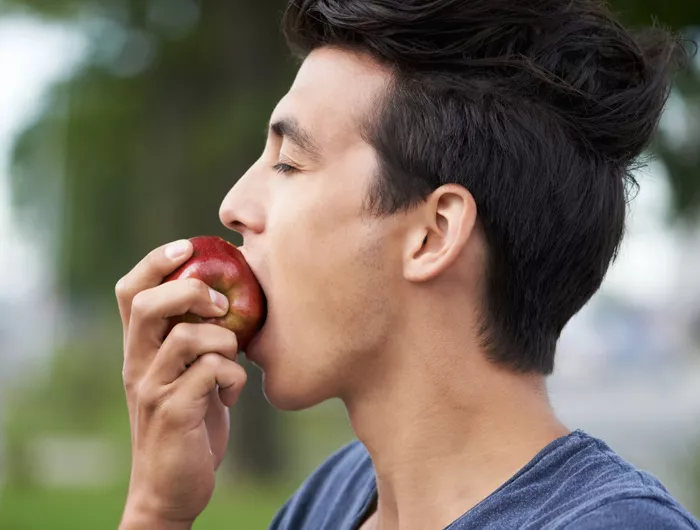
290	128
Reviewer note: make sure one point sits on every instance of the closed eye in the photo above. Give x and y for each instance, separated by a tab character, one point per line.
284	168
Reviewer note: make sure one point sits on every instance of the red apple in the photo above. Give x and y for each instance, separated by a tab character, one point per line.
222	267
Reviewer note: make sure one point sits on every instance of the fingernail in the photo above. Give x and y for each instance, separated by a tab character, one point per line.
219	299
177	249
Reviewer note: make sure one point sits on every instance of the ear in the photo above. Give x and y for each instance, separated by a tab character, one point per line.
444	224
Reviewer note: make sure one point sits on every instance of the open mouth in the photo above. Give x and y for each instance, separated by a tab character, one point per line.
264	312
252	345
263	320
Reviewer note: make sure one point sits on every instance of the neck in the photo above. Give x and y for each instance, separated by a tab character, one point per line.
445	435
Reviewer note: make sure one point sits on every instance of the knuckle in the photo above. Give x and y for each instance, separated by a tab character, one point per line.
197	287
140	304
242	374
149	397
184	335
120	289
153	258
211	360
128	377
129	384
224	337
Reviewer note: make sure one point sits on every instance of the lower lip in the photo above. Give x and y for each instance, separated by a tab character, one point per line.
253	345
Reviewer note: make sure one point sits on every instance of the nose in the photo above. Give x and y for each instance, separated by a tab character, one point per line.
242	210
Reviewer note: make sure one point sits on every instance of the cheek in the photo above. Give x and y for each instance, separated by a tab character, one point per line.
327	260
329	281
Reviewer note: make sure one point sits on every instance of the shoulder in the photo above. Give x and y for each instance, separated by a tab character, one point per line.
579	483
339	487
653	513
601	490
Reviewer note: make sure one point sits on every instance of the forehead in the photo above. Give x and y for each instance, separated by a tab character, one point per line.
333	93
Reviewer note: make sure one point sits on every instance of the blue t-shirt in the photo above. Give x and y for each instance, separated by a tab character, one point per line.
575	483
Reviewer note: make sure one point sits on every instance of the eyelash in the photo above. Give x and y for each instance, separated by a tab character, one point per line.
284	168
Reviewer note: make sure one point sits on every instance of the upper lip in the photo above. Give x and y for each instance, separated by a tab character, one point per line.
253	267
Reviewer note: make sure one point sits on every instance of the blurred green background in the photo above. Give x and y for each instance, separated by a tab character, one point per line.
123	123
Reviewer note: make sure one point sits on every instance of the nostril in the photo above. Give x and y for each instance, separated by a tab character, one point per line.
237	226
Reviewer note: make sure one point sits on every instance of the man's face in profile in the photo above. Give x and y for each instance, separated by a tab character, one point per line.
331	270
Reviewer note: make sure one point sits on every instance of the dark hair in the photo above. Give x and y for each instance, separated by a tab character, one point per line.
539	108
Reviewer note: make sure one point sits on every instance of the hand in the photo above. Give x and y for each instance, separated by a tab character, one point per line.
178	389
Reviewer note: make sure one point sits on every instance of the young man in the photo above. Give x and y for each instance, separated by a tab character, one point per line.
442	189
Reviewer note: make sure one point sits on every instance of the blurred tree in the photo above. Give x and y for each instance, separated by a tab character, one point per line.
79	395
142	143
164	114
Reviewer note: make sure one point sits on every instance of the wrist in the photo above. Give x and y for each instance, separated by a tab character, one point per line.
136	519
142	522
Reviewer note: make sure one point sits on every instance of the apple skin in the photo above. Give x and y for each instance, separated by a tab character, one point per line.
222	267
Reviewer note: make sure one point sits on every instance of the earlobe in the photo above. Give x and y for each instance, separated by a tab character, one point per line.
443	227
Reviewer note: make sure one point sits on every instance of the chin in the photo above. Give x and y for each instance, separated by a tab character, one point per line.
290	393
288	380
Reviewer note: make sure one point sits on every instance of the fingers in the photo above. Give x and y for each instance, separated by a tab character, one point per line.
149	272
209	371
151	308
184	345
